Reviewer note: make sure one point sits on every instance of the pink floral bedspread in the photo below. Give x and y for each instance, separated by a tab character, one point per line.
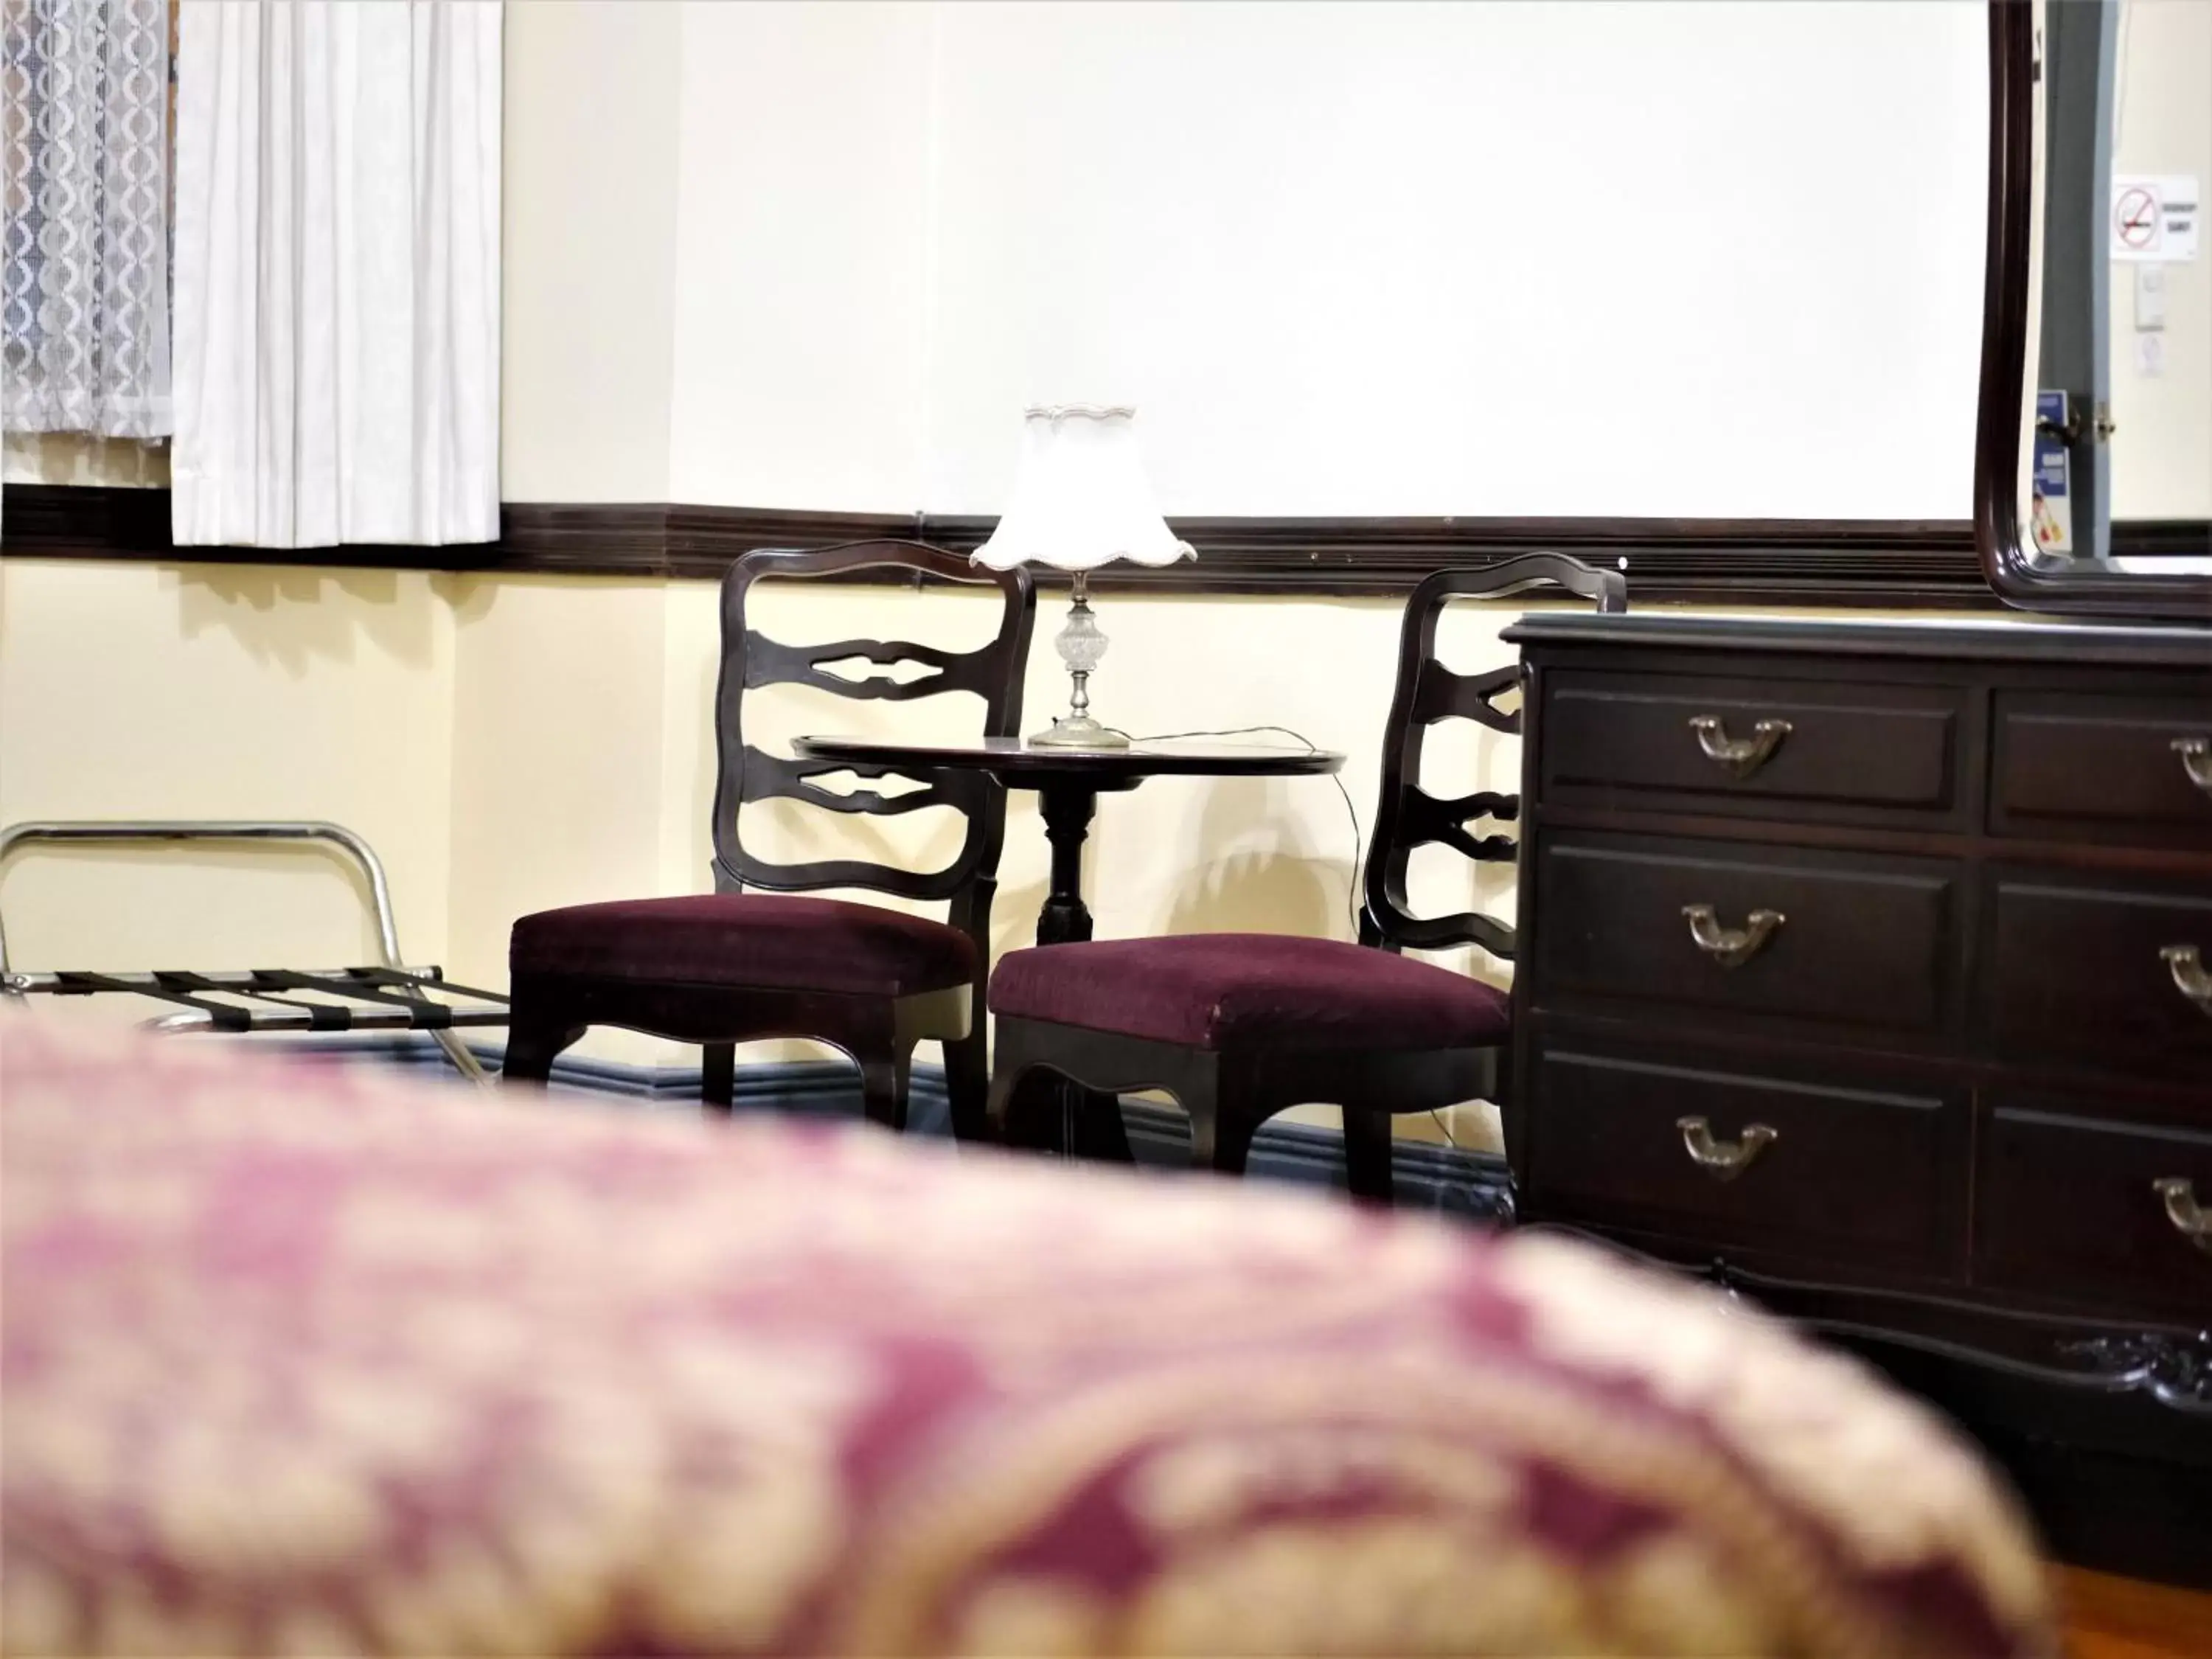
297	1360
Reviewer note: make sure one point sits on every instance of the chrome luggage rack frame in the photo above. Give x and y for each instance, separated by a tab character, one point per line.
385	996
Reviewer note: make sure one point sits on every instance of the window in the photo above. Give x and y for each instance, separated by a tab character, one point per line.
86	294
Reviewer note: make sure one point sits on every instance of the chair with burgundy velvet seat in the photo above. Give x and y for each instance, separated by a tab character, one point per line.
736	966
1240	1026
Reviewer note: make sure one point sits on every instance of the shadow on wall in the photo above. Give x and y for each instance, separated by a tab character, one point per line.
1014	906
1255	888
293	618
1251	889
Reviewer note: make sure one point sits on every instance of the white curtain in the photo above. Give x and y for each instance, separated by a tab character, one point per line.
84	93
338	272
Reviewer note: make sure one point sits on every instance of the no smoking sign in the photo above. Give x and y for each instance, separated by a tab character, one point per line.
2136	219
2154	217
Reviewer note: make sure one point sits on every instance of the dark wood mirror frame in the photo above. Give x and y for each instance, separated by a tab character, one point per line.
2008	558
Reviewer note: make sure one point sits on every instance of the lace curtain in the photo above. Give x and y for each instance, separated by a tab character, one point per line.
85	299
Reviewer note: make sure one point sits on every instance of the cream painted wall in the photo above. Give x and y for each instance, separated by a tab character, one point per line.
1348	259
223	691
1493	258
558	775
588	197
801	263
752	255
2162	450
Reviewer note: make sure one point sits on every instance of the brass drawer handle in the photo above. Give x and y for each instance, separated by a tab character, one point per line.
2190	1219
1726	1160
1731	947
2190	976
2196	760
1741	756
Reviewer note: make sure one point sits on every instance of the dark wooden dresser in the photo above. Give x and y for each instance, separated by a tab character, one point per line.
1868	966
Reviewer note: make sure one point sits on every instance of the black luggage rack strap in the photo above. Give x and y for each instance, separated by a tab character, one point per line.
386	996
373	998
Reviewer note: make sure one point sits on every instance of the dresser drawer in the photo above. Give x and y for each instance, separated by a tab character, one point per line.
2095	969
2069	1205
1820	1166
1843	938
2124	767
1692	745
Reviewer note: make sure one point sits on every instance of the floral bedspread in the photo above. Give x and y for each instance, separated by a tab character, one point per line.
299	1359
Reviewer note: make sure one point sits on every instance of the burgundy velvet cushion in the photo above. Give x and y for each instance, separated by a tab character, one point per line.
1225	990
762	940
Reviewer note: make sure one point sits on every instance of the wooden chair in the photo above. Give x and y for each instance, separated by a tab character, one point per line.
1240	1026
735	966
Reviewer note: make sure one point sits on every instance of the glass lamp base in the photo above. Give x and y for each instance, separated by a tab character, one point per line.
1078	732
1080	644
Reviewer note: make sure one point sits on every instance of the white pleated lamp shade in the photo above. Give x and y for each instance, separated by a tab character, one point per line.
1081	498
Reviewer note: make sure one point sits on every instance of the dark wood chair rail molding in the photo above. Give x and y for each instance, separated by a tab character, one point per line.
1765	562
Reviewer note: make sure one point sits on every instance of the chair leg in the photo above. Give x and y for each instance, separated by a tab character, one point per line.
882	1090
1025	1109
1006	1080
1220	1131
1367	1155
532	1048
1100	1134
718	1077
968	1085
1220	1144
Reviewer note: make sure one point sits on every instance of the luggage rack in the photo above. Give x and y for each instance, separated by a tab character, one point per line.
385	996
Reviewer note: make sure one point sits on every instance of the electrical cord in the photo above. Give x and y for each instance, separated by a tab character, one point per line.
1358	840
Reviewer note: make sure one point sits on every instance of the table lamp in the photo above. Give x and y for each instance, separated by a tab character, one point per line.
1081	500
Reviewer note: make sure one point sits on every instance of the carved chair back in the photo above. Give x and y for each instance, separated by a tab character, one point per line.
751	660
1409	815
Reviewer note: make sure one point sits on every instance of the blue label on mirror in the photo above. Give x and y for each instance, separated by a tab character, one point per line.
2053	516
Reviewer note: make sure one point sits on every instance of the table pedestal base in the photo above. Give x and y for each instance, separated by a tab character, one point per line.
1081	1123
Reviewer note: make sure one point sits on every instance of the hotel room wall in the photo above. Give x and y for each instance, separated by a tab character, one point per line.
1282	233
589	195
223	691
1677	260
215	691
805	203
558	794
1655	359
746	262
1264	231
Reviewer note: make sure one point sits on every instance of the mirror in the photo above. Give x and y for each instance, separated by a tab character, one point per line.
2093	464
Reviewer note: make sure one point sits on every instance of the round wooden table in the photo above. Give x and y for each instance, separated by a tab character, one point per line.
1068	782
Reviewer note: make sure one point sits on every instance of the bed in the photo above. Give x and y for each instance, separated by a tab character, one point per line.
300	1359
